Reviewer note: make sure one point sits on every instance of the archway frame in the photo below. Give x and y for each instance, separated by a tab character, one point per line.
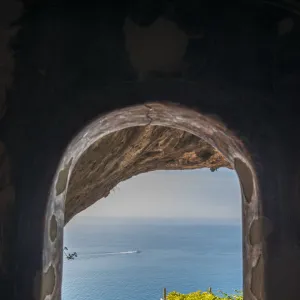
209	128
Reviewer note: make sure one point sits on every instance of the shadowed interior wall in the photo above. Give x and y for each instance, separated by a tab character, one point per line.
65	64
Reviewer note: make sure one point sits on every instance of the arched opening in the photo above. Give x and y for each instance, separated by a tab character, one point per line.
208	129
177	229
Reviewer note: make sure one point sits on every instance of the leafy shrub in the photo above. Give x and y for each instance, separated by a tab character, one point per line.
69	256
208	295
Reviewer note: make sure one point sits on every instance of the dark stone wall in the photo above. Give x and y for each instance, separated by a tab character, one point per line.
236	60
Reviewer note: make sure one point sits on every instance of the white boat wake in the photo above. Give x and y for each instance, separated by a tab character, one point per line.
94	255
129	252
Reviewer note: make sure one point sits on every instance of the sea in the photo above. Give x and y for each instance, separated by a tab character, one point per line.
134	259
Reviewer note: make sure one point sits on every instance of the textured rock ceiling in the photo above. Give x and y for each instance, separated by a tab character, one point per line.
132	151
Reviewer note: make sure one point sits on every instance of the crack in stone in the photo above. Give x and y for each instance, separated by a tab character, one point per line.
148	114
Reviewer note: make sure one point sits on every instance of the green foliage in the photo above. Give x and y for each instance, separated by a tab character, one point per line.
69	256
208	295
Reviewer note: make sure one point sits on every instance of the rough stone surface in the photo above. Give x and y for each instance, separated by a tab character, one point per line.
48	283
260	229
53	228
149	47
245	178
62	179
129	152
257	280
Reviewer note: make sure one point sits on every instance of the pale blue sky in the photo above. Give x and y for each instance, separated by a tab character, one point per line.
200	194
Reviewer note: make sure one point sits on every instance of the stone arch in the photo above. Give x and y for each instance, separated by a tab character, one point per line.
129	152
209	129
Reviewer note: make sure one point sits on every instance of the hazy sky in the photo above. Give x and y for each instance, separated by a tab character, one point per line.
200	194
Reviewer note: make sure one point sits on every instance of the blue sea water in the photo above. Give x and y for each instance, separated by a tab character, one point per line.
179	255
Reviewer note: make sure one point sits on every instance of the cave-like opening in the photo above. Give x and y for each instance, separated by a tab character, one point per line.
136	126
